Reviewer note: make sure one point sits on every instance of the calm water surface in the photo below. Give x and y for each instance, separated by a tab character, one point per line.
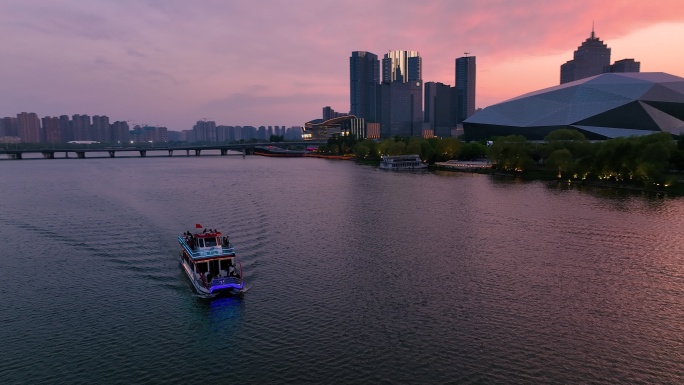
356	275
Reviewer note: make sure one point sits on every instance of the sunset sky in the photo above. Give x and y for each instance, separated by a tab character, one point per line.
268	62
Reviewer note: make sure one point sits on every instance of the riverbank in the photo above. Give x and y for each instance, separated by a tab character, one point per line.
322	156
674	189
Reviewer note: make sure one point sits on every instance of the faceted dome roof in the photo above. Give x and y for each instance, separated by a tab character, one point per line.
607	105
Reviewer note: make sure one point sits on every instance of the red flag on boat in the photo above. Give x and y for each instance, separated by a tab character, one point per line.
198	226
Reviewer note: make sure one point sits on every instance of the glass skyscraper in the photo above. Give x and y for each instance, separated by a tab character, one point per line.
364	77
465	87
400	96
401	66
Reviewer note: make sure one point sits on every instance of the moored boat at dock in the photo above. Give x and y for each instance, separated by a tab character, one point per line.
209	260
401	162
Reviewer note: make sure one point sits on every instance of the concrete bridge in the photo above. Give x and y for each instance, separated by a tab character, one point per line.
240	148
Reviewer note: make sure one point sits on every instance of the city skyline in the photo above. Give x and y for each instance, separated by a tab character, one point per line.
172	63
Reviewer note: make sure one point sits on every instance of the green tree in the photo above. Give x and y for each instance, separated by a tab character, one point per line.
397	148
384	146
473	150
653	162
565	135
427	152
361	150
509	152
448	148
414	146
561	160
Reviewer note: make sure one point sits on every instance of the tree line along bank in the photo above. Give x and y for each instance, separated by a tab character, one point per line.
652	161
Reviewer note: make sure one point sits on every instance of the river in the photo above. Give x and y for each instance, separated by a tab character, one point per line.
356	276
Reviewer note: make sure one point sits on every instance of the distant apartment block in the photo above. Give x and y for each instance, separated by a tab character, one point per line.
29	127
50	131
9	127
149	134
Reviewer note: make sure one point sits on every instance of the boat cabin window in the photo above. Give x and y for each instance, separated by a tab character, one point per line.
207	242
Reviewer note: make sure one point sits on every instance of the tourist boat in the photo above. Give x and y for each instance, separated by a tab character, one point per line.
209	260
401	162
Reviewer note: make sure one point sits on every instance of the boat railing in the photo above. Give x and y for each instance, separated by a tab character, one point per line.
204	281
206	252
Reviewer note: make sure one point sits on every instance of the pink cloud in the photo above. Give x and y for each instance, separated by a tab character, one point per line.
277	62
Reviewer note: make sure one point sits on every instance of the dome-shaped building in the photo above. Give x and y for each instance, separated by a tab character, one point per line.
605	106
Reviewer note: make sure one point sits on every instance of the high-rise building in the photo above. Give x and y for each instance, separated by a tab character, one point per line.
400	95
465	87
10	126
440	114
401	109
364	77
66	128
29	127
593	58
205	131
100	129
626	65
121	132
81	127
50	132
590	59
402	66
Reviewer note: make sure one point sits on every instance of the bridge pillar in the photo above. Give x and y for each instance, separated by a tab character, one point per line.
16	155
112	153
170	152
66	154
143	153
197	152
80	154
187	152
224	151
48	155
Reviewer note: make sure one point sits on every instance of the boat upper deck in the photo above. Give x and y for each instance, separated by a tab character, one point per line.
206	246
